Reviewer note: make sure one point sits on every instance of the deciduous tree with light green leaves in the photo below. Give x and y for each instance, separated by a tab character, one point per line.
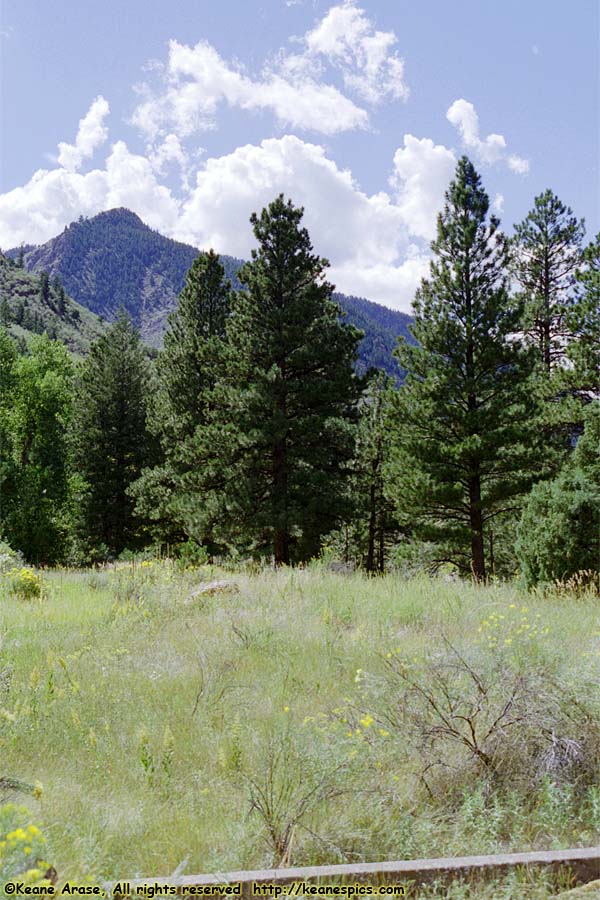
464	437
35	410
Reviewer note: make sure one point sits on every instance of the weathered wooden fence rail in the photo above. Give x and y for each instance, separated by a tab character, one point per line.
582	863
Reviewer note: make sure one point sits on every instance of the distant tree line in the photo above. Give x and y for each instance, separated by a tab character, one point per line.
250	434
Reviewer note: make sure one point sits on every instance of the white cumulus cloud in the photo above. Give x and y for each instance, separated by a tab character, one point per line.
371	66
91	134
347	222
364	237
294	86
199	80
169	151
130	181
489	150
372	241
422	172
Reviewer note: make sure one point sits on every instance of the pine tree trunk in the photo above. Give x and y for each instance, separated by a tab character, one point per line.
281	538
547	339
475	512
281	547
372	525
381	560
476	519
547	326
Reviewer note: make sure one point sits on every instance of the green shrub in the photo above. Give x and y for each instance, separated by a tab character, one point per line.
24	583
190	554
559	533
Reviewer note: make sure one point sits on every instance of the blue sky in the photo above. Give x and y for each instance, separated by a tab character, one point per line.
194	114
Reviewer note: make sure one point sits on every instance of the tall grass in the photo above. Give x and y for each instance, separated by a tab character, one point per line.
292	722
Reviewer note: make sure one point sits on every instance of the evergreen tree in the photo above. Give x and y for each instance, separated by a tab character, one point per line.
559	533
44	287
5	312
110	440
271	468
186	372
463	426
547	250
60	301
192	348
584	323
374	523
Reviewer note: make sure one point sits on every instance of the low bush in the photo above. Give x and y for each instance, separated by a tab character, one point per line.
24	583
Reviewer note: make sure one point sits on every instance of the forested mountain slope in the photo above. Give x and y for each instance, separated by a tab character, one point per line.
31	304
114	260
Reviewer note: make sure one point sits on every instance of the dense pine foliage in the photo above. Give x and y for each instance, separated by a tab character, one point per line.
186	370
254	433
110	440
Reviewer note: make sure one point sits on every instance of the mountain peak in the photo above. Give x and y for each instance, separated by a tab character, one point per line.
120	215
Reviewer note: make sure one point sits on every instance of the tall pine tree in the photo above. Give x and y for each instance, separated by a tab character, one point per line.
111	442
270	470
374	526
186	372
547	251
464	446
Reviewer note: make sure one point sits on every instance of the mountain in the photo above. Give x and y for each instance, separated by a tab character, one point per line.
114	259
31	304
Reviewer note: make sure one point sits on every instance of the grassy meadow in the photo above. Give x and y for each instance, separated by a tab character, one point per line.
298	717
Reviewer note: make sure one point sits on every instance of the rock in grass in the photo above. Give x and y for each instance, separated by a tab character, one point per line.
215	587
